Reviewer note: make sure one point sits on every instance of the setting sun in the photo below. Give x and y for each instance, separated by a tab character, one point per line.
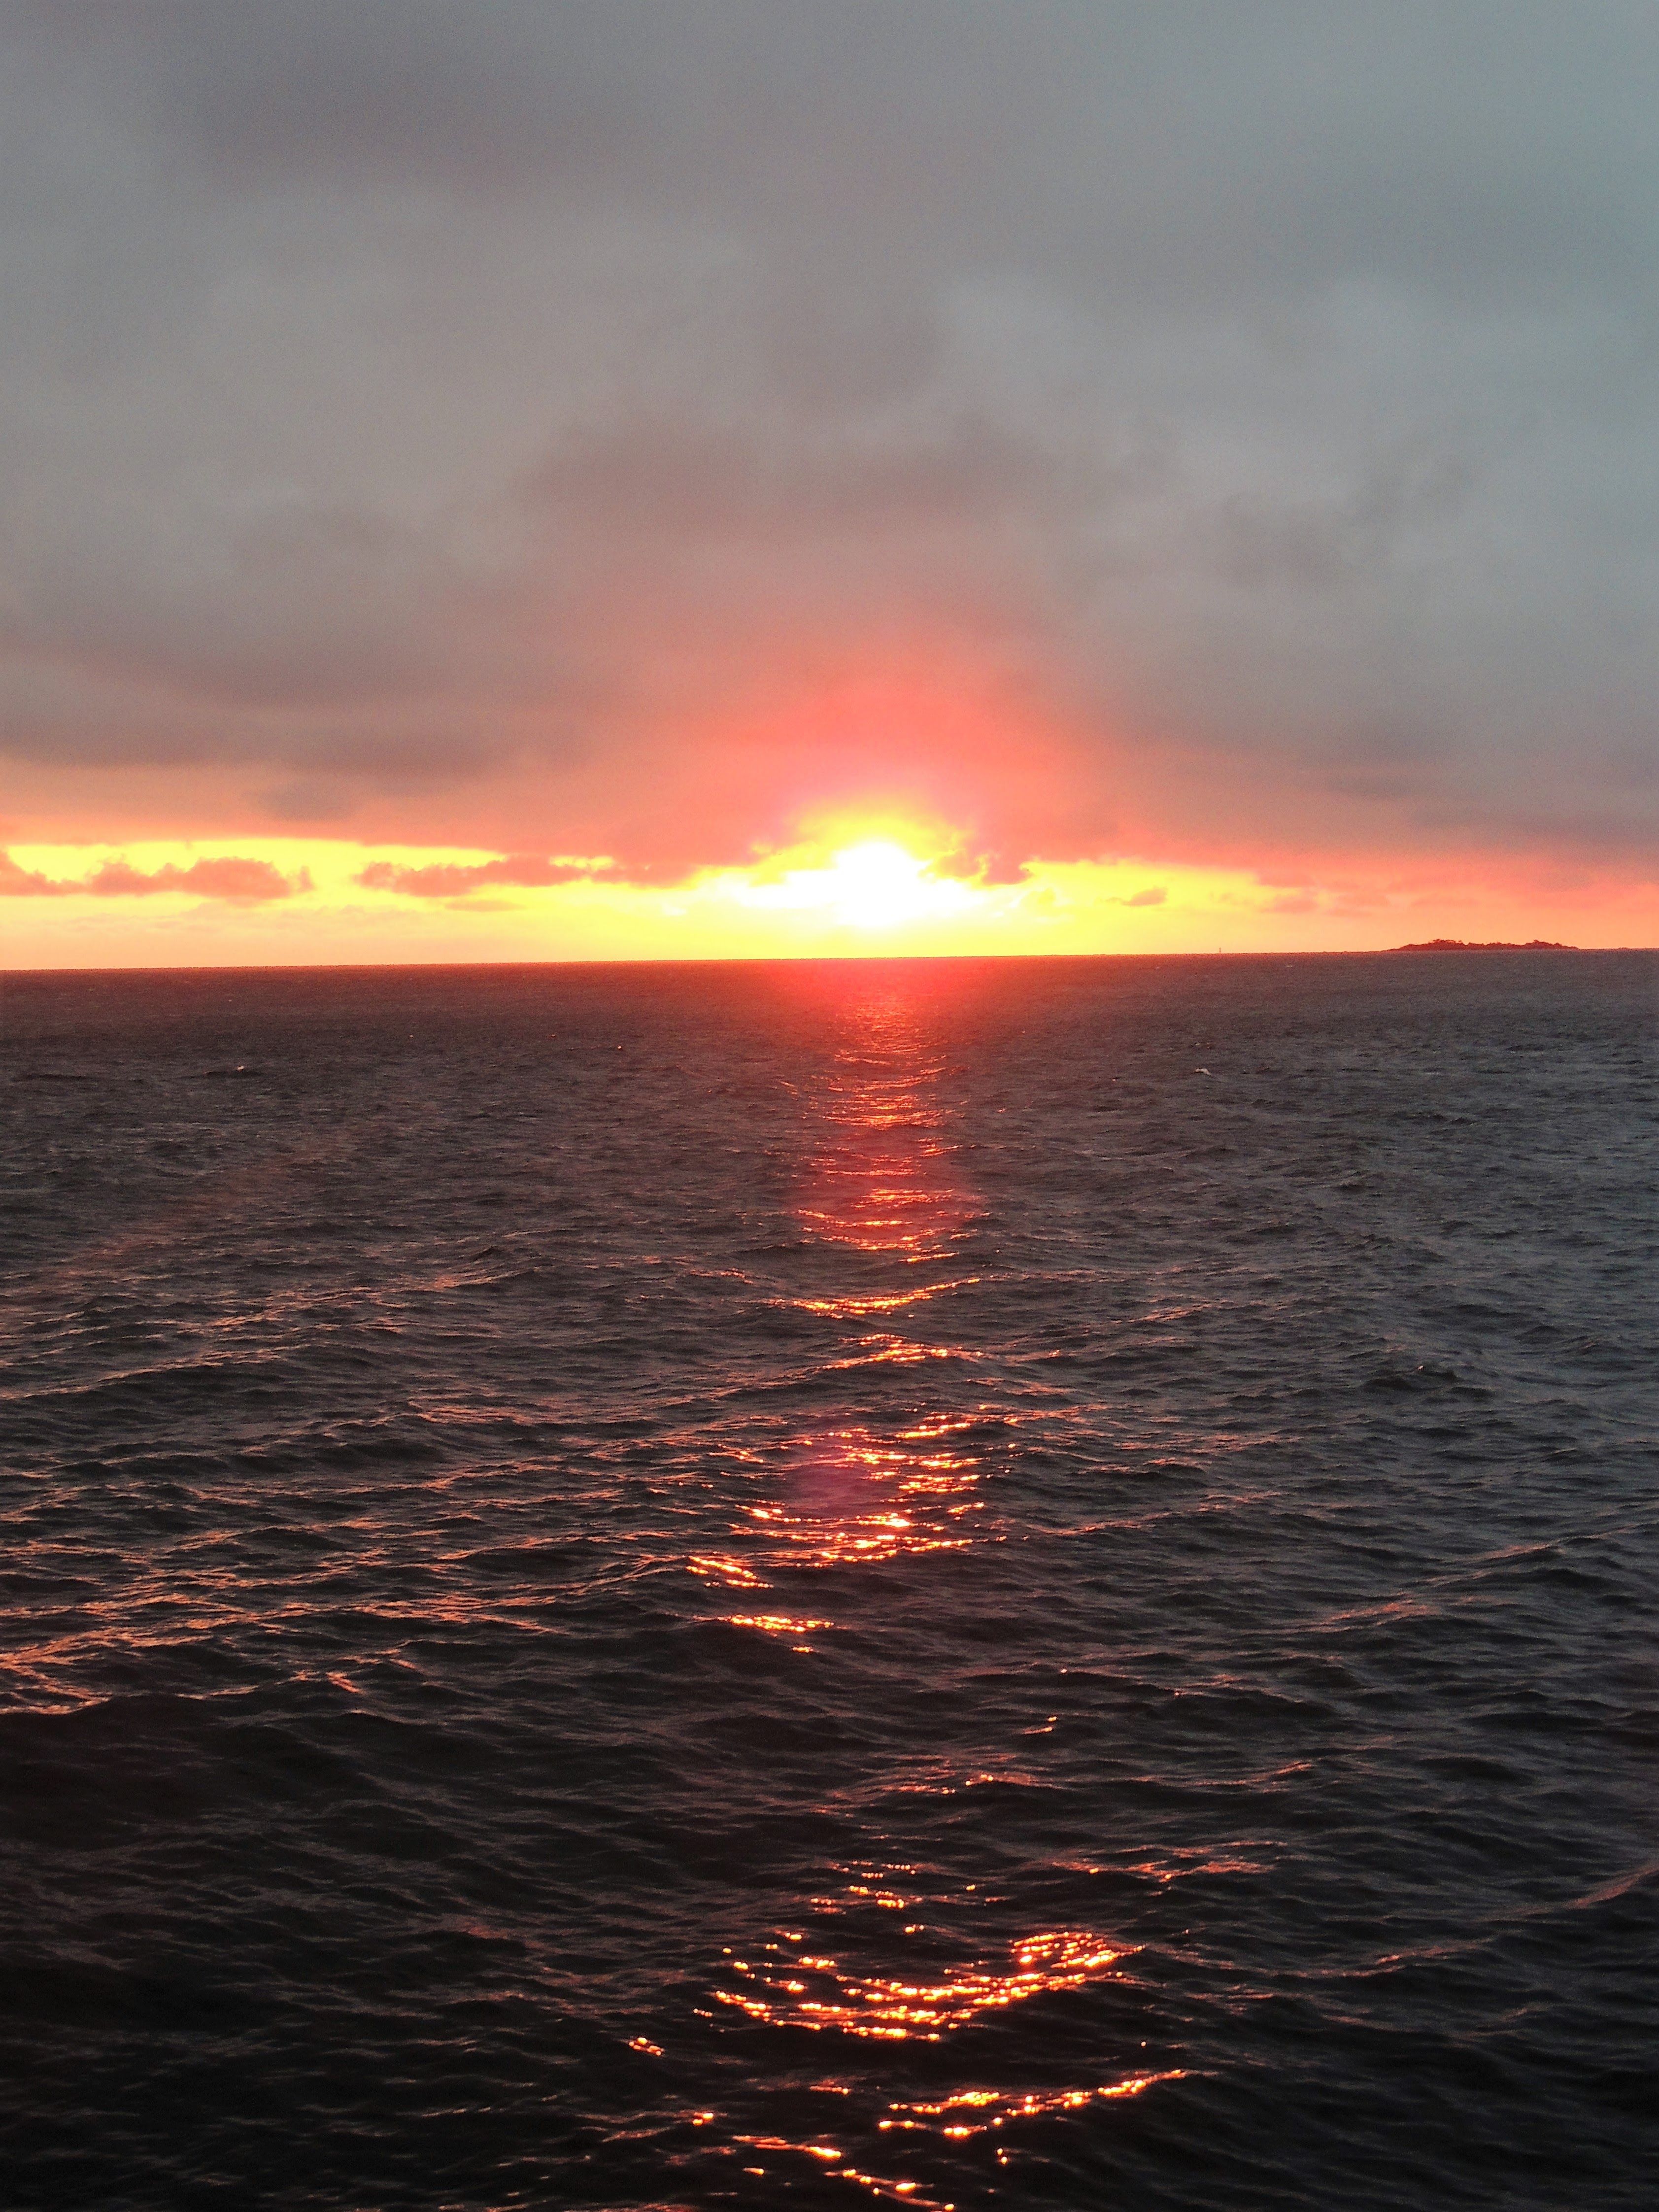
877	884
874	885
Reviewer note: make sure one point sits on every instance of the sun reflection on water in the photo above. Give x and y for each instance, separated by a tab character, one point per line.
977	2111
886	1190
851	1497
885	1960
877	1185
786	1988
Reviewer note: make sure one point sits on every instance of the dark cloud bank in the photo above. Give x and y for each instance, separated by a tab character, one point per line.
607	425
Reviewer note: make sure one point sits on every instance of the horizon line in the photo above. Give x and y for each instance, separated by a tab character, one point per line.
809	960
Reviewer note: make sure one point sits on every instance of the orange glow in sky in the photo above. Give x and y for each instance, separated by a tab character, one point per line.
855	886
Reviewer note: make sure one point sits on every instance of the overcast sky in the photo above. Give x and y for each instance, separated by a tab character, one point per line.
1213	430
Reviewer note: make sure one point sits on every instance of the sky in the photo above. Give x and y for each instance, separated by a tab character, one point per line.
574	478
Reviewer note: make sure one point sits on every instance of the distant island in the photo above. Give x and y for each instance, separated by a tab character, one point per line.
1498	944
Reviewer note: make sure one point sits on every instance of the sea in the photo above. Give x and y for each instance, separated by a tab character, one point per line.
942	1583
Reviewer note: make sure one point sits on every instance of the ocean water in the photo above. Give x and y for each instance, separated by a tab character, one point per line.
942	1583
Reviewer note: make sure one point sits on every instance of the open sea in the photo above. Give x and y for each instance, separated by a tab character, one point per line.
938	1583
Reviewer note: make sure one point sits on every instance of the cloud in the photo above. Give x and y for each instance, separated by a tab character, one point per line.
240	882
444	880
1184	429
27	882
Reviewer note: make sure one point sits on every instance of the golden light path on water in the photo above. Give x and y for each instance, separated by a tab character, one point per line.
879	1182
803	1990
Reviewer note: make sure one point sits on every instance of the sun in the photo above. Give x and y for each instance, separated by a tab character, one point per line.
878	885
875	885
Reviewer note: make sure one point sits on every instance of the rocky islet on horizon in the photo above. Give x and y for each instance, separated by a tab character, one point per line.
1496	945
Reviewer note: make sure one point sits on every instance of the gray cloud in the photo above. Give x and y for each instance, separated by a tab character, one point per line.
495	403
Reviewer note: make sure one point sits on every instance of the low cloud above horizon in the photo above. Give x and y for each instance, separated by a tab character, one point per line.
1208	437
229	876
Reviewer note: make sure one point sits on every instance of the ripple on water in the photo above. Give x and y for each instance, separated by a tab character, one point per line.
883	1594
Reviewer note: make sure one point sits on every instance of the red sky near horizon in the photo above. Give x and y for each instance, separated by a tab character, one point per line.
533	482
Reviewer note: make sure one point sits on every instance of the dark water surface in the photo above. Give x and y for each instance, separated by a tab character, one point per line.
951	1584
